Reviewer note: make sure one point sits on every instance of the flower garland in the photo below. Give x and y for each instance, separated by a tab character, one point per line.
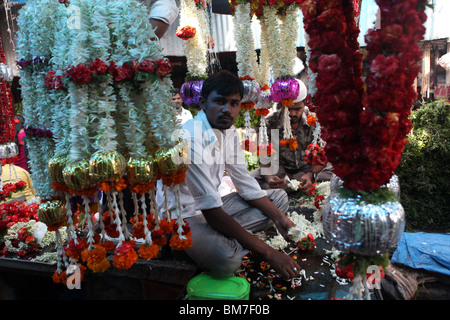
34	51
246	61
193	30
365	123
364	144
109	87
7	132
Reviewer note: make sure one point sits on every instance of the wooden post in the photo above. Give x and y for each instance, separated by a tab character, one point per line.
426	68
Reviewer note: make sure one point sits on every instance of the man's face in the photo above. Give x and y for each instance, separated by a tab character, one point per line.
296	111
177	100
221	111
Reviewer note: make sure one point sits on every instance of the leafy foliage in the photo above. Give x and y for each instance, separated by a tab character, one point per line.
424	172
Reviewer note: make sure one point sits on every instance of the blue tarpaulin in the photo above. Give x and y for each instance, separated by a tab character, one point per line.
420	250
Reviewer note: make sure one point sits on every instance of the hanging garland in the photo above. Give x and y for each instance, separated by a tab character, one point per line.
365	123
109	85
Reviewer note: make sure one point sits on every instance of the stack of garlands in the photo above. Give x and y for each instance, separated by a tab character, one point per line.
8	149
105	87
365	123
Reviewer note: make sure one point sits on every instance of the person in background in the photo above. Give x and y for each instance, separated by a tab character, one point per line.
183	115
162	14
291	162
21	143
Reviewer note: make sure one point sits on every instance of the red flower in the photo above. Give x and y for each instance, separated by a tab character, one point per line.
98	67
80	74
186	32
163	67
147	66
53	82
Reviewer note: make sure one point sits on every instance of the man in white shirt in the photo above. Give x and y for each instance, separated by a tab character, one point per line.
222	226
183	115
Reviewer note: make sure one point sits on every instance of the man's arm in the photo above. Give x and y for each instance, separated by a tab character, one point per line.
225	224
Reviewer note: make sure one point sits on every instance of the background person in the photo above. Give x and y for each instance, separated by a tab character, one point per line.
291	162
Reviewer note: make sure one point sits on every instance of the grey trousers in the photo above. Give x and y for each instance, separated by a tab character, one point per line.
221	256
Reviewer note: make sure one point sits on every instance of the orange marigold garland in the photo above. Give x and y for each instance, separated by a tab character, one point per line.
181	238
262	112
75	247
96	258
148	251
125	255
311	120
291	144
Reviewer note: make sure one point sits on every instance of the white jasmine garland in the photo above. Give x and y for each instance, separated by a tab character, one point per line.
274	39
264	65
196	47
131	122
290	27
245	53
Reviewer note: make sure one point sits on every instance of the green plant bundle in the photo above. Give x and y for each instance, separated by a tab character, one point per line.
424	172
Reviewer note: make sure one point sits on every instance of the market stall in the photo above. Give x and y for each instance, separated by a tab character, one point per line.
102	135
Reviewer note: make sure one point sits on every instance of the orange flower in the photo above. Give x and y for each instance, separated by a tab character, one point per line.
287	102
149	251
181	244
246	78
74	250
59	278
291	144
138	227
311	120
166	226
247	105
95	255
125	255
141	188
108	186
262	112
108	245
102	266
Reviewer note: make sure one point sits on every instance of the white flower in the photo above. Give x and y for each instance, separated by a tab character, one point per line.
294	184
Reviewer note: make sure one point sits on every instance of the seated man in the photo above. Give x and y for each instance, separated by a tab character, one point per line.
290	162
221	226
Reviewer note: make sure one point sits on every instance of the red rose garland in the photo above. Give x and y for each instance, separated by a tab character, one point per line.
365	131
83	74
7	131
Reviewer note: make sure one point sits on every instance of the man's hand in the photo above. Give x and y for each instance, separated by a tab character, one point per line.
284	264
283	225
276	182
306	182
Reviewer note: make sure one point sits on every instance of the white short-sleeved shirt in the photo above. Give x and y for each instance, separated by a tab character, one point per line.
164	10
184	115
211	153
